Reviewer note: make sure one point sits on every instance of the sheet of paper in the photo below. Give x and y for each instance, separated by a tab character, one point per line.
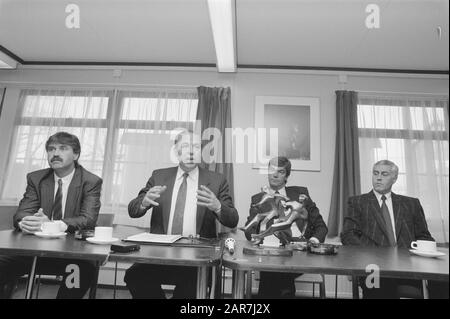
154	238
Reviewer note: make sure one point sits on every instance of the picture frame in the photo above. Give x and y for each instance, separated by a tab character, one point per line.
297	120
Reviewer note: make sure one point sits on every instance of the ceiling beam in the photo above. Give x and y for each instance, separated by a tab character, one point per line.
222	15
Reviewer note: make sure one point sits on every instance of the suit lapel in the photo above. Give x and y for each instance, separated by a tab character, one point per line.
376	211
48	194
73	193
398	214
291	193
166	200
202	180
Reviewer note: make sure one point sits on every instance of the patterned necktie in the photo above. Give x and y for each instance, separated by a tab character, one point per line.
57	204
388	221
177	222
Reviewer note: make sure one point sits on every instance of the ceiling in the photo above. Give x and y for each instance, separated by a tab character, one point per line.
269	33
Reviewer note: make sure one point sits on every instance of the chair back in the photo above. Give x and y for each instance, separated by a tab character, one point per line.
6	217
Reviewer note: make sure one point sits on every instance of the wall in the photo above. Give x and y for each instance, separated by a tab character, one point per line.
245	86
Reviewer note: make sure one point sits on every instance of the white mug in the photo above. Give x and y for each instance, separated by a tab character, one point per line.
103	232
50	228
424	245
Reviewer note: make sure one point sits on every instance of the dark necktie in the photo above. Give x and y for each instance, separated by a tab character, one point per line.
388	222
177	222
57	204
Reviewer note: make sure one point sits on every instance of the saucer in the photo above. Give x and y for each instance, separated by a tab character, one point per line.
427	253
53	235
100	241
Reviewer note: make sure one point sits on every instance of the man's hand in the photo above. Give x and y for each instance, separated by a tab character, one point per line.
32	224
206	198
152	194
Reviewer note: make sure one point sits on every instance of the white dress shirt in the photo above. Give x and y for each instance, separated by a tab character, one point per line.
190	208
65	187
389	206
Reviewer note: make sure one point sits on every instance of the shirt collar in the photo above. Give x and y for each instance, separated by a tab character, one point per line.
378	195
282	191
66	179
192	173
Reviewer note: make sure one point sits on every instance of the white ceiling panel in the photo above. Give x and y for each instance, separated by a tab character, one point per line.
333	34
120	31
305	33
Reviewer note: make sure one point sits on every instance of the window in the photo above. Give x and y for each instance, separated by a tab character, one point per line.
124	136
41	114
413	133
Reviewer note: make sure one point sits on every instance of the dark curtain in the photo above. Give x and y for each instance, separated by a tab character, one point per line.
2	98
346	179
214	111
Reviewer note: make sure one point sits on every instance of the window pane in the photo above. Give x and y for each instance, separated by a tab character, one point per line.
58	106
159	109
380	116
139	152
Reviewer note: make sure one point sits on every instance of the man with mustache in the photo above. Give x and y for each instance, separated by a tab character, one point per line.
65	193
186	200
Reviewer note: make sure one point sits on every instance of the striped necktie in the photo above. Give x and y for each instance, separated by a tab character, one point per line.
388	221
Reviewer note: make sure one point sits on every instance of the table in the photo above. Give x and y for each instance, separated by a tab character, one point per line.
201	257
351	260
16	243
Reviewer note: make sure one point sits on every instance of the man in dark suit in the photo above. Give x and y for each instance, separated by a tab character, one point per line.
186	200
313	228
65	193
382	218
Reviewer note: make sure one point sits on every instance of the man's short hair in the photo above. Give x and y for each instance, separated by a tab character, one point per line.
66	139
392	165
283	162
180	135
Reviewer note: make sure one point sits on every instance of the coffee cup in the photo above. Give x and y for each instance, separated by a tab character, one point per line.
50	228
103	233
424	245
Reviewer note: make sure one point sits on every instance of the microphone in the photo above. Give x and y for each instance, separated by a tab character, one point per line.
229	244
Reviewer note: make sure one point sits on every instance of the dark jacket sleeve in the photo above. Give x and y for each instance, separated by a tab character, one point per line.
316	225
90	206
351	233
420	224
252	213
30	203
228	215
134	209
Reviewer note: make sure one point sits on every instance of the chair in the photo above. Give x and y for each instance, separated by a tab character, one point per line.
305	278
6	216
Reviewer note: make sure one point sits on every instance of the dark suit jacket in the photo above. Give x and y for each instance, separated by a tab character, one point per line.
83	198
364	223
316	227
206	219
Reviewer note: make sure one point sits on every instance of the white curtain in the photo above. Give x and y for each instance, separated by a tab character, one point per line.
124	136
41	113
413	133
143	141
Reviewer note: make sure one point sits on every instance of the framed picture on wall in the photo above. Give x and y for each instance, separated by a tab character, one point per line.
297	121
